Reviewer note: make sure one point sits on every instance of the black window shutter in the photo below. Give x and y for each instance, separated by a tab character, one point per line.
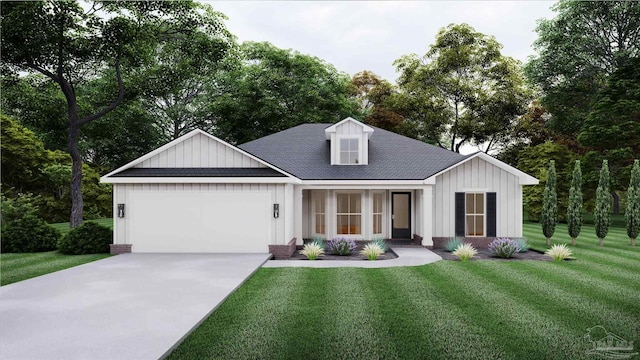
491	214
459	214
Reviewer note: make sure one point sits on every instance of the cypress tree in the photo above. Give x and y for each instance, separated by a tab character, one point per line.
601	216
574	209
550	204
632	213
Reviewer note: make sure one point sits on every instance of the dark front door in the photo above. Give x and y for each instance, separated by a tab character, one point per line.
401	215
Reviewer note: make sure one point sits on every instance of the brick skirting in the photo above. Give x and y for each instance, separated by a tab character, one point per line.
116	249
417	239
283	251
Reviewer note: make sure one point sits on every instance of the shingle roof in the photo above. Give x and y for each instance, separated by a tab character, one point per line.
304	152
199	172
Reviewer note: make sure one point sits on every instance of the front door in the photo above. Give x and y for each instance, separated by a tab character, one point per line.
401	215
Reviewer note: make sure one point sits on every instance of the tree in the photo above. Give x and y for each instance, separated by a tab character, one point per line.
550	204
577	51
464	89
70	45
601	216
272	89
632	213
574	210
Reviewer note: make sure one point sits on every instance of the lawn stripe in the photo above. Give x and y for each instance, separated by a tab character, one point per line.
545	337
557	300
25	267
443	332
350	324
246	325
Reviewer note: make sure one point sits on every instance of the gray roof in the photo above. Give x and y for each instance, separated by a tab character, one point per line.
304	152
199	172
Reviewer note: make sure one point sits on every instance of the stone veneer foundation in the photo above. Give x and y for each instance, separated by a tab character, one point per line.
116	249
283	251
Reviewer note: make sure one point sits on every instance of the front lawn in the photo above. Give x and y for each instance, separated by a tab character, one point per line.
64	227
445	310
18	267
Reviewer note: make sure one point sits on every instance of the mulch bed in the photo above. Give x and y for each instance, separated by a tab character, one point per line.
485	254
355	255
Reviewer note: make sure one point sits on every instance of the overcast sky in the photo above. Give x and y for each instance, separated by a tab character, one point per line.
363	35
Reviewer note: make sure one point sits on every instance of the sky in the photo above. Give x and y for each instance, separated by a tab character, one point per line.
370	35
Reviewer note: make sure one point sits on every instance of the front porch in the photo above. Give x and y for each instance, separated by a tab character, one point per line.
400	214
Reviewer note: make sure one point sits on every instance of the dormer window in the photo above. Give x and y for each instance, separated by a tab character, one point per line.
349	141
349	151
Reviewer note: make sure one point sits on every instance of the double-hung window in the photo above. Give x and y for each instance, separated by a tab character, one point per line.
474	214
378	198
319	215
349	151
349	213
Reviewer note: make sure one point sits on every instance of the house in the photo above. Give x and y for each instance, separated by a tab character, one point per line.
201	194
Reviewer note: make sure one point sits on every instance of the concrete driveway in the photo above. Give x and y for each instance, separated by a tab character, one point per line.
131	306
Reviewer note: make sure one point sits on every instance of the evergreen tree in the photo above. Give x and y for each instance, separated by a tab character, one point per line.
574	210
601	216
550	204
632	213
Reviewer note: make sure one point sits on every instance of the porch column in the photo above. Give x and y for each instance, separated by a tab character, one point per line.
427	216
297	214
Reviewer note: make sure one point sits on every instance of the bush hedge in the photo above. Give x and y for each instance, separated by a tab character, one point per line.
89	238
28	234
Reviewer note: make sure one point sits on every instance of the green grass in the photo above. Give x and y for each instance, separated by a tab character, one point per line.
64	227
18	267
445	310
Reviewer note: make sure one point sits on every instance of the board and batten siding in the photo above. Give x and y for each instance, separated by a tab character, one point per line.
281	228
349	129
477	175
200	151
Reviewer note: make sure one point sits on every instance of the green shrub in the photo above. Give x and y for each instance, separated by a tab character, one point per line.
372	251
504	247
89	238
523	245
453	244
379	241
28	234
465	252
319	241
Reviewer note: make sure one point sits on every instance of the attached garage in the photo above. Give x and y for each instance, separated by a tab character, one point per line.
186	221
199	194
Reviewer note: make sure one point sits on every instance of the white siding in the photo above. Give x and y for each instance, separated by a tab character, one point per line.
281	228
200	151
480	176
350	129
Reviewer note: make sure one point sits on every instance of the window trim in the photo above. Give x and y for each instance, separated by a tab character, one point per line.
475	215
339	149
374	213
316	197
361	213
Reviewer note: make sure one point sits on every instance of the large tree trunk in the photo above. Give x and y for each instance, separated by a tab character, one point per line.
77	203
616	203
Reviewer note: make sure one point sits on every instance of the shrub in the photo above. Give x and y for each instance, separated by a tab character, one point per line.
89	238
318	241
504	247
28	234
372	251
465	252
453	244
523	245
341	246
559	252
381	243
312	251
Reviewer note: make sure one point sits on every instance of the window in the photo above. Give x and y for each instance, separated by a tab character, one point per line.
319	214
349	151
474	214
377	212
349	213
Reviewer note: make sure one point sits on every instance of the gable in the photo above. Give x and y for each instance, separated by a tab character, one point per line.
486	164
200	151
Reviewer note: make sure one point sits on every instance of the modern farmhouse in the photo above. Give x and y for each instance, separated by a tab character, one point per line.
201	194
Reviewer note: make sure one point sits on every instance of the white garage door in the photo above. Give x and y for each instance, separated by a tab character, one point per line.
184	221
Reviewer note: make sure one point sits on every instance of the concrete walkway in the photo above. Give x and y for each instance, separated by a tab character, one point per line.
132	306
406	257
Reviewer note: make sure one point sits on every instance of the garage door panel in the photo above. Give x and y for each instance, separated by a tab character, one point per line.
183	221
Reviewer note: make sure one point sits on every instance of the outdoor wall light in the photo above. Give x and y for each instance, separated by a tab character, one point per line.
120	210
276	210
